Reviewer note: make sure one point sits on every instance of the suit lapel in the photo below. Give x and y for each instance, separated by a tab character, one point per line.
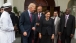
63	19
37	16
28	17
32	17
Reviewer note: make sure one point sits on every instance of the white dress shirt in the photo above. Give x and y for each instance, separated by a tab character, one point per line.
39	15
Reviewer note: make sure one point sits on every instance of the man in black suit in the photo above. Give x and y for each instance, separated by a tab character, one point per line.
27	23
39	15
12	15
67	27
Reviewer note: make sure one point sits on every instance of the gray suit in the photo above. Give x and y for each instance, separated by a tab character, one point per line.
56	24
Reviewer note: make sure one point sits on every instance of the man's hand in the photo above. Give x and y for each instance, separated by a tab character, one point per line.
37	24
40	36
15	28
25	33
33	28
52	37
72	35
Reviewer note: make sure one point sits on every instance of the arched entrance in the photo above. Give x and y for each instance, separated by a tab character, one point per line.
47	4
72	5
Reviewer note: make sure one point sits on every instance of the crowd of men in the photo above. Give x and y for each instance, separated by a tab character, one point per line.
29	25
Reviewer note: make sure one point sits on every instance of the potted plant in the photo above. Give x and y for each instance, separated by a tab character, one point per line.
16	10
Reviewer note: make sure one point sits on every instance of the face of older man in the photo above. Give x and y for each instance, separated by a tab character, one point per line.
32	9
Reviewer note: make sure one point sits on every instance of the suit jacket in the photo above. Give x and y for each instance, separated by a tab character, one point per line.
37	20
0	13
56	24
70	26
17	21
12	15
25	24
47	27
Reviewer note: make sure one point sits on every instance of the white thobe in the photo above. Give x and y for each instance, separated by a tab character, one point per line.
6	28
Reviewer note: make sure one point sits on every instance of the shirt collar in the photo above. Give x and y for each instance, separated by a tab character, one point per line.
40	14
29	12
67	15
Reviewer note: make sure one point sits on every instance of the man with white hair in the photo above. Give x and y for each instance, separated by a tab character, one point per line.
27	23
6	26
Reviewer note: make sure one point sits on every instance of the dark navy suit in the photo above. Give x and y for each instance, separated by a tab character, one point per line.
36	37
26	26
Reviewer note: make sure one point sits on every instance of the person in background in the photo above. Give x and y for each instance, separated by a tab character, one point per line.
46	31
6	26
56	24
38	15
17	24
12	15
67	27
1	10
27	23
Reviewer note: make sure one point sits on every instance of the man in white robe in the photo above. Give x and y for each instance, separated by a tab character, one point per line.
6	26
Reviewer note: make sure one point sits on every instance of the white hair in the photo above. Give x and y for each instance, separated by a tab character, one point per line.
31	5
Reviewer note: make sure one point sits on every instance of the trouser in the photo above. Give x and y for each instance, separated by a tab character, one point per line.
64	37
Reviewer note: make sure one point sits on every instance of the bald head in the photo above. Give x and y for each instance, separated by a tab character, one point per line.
31	7
39	9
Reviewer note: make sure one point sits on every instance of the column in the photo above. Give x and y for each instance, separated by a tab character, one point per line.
11	1
1	2
56	2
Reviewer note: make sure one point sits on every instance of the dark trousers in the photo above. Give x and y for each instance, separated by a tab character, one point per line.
36	37
46	39
64	37
27	39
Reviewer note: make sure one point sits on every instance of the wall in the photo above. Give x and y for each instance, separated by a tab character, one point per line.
19	4
62	3
1	2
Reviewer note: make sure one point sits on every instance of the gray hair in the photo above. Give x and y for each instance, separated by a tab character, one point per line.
31	5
